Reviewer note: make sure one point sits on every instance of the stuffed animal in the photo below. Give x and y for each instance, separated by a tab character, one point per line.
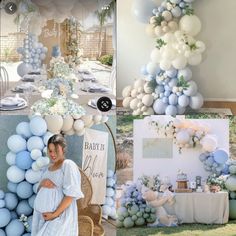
154	199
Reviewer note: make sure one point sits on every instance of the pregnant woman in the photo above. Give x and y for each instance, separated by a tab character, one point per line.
55	208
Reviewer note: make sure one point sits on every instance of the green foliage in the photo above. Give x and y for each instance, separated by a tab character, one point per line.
158	20
182	83
189	11
106	60
160	43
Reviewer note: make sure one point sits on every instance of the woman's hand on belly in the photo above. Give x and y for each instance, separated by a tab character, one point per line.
47	183
49	216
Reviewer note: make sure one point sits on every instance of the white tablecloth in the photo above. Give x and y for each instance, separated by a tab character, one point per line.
206	208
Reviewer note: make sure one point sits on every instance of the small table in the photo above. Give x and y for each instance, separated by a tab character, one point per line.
206	208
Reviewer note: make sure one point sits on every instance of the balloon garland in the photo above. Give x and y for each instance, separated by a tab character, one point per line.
189	134
26	158
168	87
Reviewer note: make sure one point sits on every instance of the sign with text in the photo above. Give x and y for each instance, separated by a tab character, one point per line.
94	164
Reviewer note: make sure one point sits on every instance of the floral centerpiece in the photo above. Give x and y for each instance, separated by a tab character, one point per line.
62	79
216	183
151	182
57	106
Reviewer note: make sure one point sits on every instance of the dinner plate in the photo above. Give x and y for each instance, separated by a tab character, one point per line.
11	101
19	106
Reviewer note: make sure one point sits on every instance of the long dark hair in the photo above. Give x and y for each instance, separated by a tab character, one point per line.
58	140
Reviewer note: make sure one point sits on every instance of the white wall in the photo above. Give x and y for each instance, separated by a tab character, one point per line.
188	161
215	76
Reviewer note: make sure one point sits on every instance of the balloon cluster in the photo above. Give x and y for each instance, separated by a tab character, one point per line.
174	26
33	53
109	207
26	158
133	210
215	162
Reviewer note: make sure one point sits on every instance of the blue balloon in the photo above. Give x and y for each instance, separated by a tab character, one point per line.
16	143
31	200
24	69
24	190
23	160
171	72
11	186
35	142
5	217
23	129
2	194
14	215
203	157
221	156
2	233
159	89
38	126
15	228
167	93
11	201
171	110
143	70
173	99
173	83
2	203
186	73
180	110
24	208
142	10
159	107
165	100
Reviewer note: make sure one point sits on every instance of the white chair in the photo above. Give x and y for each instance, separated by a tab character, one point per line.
4	80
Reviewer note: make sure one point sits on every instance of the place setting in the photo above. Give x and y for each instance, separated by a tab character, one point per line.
12	103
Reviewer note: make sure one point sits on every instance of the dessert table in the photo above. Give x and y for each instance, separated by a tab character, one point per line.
206	208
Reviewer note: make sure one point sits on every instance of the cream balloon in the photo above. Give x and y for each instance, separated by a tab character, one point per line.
139	83
209	143
134	103
195	59
179	62
67	123
126	102
149	112
156	55
147	100
165	64
79	125
54	123
70	132
127	91
190	24
87	119
97	119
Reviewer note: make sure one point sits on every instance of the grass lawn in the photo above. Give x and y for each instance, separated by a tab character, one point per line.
183	230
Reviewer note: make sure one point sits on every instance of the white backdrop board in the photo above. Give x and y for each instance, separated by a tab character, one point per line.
188	161
94	162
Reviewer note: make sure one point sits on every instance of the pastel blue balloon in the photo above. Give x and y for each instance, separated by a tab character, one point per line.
110	192
2	194
161	9
167	88
20	50
46	137
189	1
33	176
106	210
23	129
221	156
36	56
39	51
110	182
183	101
172	72
180	110
23	160
24	208
182	4
159	89
176	12
35	142
159	107
203	157
161	95
165	100
11	201
2	233
11	186
35	187
158	70
27	234
31	200
24	190
173	83
40	45
167	93
142	10
38	126
15	228
31	60
192	89
109	201
5	217
173	99
15	174
36	60
225	170
110	173
209	161
2	203
16	143
42	56
23	69
29	220
13	215
171	110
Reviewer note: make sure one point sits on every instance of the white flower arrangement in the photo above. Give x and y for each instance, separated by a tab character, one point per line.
184	132
24	220
151	182
57	106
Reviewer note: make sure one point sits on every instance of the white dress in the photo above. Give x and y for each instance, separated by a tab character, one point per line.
68	183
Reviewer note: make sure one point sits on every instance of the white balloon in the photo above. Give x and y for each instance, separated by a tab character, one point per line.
209	143
156	55
182	137
196	101
179	62
165	64
152	68
195	59
190	24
